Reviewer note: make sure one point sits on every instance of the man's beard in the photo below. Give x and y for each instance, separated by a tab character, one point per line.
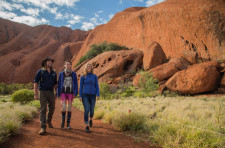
49	66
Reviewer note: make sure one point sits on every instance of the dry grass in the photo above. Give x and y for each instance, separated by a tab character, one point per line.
11	117
170	121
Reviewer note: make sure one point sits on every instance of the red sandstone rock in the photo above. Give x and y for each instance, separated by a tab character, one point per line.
153	56
165	71
197	78
188	28
28	46
112	64
222	82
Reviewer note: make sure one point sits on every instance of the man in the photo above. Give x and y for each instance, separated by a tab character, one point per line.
47	80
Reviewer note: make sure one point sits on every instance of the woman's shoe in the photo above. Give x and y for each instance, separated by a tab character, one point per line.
87	129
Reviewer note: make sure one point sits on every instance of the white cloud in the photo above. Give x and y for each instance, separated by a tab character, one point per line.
45	3
121	2
87	26
58	16
153	2
53	10
68	25
38	3
7	15
17	6
31	11
5	5
69	3
96	15
29	20
100	11
76	19
111	16
9	7
94	20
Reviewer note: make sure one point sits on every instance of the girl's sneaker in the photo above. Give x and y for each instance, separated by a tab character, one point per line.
87	129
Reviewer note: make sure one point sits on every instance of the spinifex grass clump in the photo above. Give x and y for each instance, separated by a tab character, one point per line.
11	117
129	121
169	121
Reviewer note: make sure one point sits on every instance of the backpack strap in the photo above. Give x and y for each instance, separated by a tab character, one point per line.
42	71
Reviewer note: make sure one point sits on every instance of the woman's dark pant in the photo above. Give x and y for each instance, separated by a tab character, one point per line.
89	105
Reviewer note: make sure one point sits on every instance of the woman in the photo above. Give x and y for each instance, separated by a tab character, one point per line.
67	89
88	90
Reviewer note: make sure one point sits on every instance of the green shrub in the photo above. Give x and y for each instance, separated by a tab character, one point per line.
132	121
23	96
168	93
148	83
148	86
104	90
9	89
128	91
100	48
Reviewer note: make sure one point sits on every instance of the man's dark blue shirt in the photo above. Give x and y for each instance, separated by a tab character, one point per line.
46	80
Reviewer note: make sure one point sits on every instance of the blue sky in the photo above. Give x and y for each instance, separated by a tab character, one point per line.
76	14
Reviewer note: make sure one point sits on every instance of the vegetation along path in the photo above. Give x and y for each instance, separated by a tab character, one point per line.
102	135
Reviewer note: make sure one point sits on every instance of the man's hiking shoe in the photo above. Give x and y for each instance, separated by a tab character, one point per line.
87	129
90	123
49	125
42	131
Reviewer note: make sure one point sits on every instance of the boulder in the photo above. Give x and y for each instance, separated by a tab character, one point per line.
198	78
166	70
112	64
153	56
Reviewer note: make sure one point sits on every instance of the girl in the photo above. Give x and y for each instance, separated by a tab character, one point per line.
67	89
88	90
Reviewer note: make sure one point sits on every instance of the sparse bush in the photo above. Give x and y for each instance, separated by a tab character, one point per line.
128	91
109	116
99	114
11	117
100	48
174	135
170	122
23	96
104	90
132	121
35	103
148	83
168	93
9	89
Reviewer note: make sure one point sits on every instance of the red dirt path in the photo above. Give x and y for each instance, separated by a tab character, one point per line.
101	136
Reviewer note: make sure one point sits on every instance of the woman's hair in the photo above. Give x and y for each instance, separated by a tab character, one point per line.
85	69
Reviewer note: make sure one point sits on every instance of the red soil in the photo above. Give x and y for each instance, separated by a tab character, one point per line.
102	135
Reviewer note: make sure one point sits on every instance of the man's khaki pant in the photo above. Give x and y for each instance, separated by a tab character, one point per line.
46	98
